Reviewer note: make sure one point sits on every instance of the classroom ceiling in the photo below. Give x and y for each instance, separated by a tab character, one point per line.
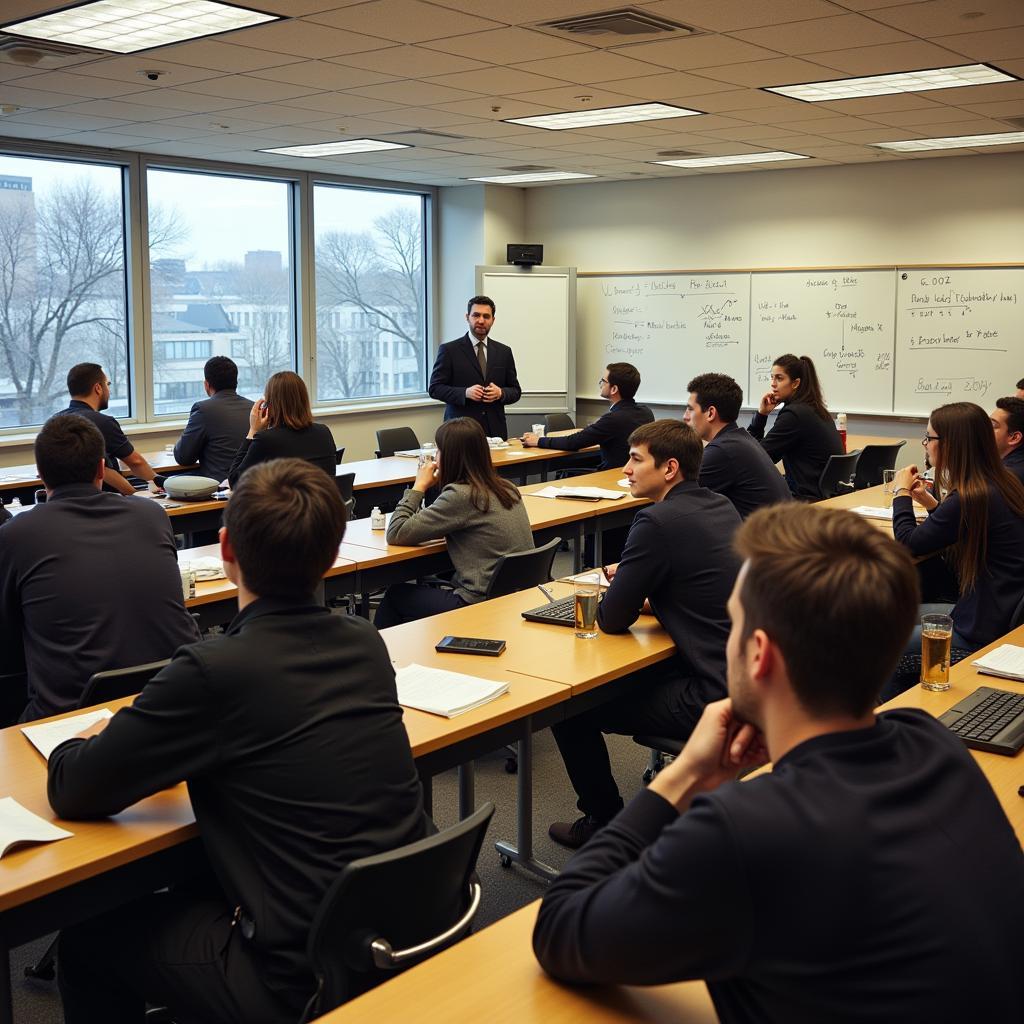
442	75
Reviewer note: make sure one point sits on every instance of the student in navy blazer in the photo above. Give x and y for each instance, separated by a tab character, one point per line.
459	379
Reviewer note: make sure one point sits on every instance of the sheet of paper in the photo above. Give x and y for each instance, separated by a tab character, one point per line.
47	736
444	693
1006	660
20	825
582	492
622	483
877	512
605	582
206	567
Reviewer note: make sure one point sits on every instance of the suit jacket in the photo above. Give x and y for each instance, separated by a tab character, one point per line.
803	441
90	582
288	731
456	368
314	444
611	432
215	429
1014	462
736	466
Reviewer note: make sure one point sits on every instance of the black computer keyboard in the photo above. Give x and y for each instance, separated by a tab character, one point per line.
559	613
989	719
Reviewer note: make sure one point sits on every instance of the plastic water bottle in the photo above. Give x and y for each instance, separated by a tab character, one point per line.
377	520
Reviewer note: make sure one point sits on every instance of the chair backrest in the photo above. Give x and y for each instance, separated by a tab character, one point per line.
523	569
874	458
1018	614
345	482
558	421
837	476
387	912
339	454
395	439
118	682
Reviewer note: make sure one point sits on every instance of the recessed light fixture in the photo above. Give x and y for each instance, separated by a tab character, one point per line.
739	158
886	85
127	26
604	115
518	179
954	142
344	148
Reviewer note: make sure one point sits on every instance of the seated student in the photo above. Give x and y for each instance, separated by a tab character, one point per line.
90	394
281	427
480	514
217	425
288	732
1020	388
89	580
981	518
1008	424
618	386
804	435
734	464
827	889
679	564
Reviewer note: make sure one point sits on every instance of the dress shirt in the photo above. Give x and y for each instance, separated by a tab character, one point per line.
611	431
736	466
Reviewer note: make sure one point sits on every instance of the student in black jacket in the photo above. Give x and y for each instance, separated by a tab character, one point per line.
679	564
281	427
804	435
618	386
734	464
288	732
1008	426
870	876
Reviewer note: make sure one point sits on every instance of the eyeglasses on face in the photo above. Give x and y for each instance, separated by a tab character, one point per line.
929	437
602	381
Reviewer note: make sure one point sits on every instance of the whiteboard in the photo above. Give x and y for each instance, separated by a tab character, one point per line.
671	327
843	319
533	317
960	336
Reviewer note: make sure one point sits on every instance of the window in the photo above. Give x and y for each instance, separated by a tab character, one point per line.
63	284
221	262
369	248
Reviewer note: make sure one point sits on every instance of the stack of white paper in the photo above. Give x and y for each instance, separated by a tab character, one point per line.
46	737
20	825
586	493
1006	661
444	693
206	567
875	512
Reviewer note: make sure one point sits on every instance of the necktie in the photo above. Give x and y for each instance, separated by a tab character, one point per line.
481	358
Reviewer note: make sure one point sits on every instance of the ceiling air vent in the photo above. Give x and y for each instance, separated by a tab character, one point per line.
677	154
1017	122
625	22
36	53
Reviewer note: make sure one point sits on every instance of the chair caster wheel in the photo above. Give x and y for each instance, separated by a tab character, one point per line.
505	860
511	765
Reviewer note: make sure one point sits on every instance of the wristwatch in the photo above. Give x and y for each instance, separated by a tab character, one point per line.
896	493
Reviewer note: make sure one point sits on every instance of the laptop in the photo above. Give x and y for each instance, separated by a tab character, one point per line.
989	719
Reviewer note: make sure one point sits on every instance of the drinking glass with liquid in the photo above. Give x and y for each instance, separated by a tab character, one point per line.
888	481
587	593
936	639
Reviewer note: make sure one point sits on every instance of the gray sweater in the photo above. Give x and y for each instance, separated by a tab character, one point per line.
476	540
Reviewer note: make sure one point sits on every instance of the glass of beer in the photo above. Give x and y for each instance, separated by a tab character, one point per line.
888	477
587	592
936	638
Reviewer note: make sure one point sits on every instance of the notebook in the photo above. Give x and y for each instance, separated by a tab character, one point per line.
1005	661
444	693
19	825
46	737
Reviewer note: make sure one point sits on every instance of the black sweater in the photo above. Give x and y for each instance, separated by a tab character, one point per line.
803	441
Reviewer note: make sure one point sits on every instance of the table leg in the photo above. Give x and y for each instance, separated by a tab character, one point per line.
6	1003
521	852
467	789
577	548
427	785
598	544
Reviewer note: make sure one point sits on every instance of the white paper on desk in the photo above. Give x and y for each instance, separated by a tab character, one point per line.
48	736
874	512
624	482
206	567
20	825
515	454
410	453
1006	661
577	492
605	582
444	693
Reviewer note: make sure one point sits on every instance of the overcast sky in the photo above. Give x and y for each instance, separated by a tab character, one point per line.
226	217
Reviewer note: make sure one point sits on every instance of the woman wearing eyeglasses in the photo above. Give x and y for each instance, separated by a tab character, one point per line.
804	434
980	519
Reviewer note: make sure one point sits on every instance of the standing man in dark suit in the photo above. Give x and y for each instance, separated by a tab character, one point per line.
217	425
618	386
734	464
475	375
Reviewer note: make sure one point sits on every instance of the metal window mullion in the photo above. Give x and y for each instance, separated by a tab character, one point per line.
305	283
137	269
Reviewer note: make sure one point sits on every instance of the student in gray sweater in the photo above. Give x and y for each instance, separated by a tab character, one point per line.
481	515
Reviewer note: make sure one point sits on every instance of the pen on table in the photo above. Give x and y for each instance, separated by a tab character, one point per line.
547	593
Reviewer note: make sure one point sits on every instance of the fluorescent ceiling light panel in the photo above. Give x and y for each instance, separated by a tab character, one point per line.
345	148
739	158
604	115
127	26
954	142
516	179
886	85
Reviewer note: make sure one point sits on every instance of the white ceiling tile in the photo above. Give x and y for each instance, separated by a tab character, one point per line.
830	125
497	81
413	94
882	104
586	68
122	111
498	129
60	118
947	17
207	122
323	74
937	115
10	71
16	130
246	89
133	69
176	99
731	99
508	45
304	39
525	12
986	46
697	52
730	15
300	8
223	57
83	85
872	5
409	62
35	98
405	21
341	103
965	126
101	140
567	98
162	130
779	71
1007	108
882	60
424	117
839	33
797	113
276	114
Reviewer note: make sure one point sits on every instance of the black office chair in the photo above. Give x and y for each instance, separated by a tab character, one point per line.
660	747
874	459
837	476
390	911
395	439
558	421
339	455
345	482
523	569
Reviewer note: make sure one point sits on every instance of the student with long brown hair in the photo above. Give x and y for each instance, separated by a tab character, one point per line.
281	427
804	435
481	515
980	519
